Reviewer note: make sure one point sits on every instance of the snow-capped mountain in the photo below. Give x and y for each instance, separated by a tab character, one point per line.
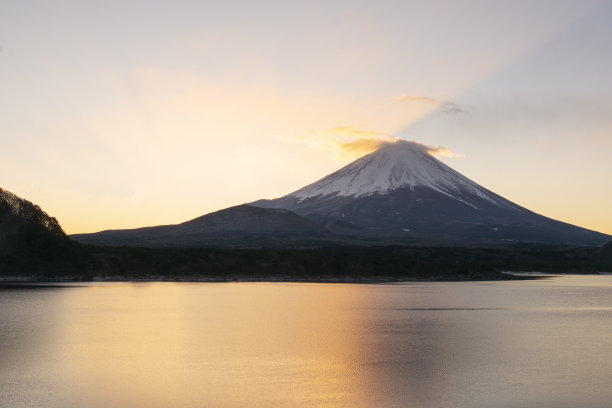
402	194
396	165
399	194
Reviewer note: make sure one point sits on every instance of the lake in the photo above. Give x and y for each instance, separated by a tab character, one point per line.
544	343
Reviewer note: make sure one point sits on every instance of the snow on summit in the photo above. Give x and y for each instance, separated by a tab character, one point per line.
402	164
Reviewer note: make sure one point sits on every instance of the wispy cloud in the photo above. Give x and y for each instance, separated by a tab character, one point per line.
447	106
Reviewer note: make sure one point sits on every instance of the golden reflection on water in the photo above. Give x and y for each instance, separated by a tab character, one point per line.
420	345
216	345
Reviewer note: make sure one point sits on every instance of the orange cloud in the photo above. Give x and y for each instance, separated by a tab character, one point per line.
345	142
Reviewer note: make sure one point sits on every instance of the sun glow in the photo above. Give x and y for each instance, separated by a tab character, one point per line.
187	115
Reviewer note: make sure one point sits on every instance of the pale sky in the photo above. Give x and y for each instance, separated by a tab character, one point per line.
122	114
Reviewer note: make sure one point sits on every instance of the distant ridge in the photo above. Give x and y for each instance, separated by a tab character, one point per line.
272	245
242	225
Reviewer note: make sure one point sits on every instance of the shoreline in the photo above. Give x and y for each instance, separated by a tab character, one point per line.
504	276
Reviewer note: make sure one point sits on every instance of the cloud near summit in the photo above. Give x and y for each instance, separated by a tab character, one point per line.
346	143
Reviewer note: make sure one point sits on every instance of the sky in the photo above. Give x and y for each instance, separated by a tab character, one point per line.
123	114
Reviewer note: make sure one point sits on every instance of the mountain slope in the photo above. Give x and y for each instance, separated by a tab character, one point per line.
16	212
403	194
241	225
32	242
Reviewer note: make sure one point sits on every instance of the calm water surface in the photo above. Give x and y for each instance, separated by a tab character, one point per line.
545	343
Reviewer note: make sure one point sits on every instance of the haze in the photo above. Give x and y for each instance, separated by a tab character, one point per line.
127	114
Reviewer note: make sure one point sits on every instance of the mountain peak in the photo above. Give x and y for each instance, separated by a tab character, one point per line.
403	145
403	164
